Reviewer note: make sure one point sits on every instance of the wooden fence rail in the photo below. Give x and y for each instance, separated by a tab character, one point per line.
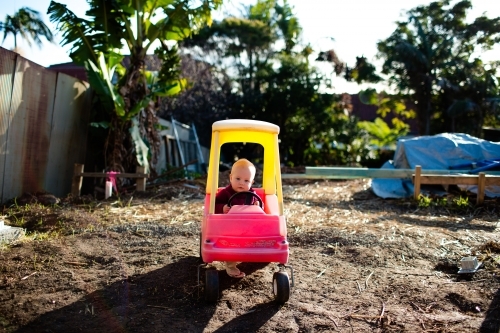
481	180
352	173
417	175
78	175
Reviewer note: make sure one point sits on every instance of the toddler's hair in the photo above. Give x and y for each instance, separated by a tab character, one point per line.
243	162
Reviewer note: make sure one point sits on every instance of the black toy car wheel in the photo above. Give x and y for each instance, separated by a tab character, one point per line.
281	287
211	285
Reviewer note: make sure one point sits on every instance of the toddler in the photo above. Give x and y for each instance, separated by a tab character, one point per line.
241	179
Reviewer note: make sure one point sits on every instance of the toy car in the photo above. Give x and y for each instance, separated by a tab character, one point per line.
248	233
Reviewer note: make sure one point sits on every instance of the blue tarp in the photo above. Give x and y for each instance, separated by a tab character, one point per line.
443	151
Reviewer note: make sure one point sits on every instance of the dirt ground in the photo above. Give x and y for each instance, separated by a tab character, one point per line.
361	264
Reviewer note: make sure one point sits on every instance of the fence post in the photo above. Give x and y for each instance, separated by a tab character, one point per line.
481	185
141	182
76	185
416	182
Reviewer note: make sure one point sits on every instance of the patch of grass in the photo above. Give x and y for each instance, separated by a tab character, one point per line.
40	222
456	204
424	201
442	202
40	236
461	202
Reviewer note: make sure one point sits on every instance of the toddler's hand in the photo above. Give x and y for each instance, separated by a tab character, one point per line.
226	209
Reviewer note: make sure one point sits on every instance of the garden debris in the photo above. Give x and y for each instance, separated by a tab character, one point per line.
9	234
469	265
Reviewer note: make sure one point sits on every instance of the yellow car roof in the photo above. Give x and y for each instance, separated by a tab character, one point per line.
245	124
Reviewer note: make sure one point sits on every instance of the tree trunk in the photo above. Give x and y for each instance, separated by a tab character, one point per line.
117	146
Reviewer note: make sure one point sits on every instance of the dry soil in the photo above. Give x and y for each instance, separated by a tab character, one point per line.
361	264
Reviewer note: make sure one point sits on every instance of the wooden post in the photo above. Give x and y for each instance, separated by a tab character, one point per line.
416	182
141	182
168	150
76	185
481	185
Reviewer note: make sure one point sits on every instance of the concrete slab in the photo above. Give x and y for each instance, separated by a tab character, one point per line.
9	234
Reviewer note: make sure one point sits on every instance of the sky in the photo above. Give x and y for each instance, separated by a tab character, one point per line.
350	27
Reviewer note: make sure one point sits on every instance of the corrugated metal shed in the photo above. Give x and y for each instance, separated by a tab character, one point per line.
43	127
30	116
68	137
7	62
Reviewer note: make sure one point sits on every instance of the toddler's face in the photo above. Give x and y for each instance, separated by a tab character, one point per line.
241	179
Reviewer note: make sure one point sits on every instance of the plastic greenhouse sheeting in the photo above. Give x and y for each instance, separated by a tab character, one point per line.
443	151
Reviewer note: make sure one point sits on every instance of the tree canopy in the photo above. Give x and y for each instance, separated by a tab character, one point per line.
255	66
432	57
273	80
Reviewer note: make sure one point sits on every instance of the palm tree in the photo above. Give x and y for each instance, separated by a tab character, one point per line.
27	23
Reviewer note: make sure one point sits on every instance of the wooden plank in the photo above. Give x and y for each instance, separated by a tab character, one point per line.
140	183
418	176
459	180
369	175
76	185
351	173
481	180
118	175
302	176
79	174
491	180
448	179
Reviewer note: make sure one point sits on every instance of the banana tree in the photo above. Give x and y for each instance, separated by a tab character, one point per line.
129	94
382	135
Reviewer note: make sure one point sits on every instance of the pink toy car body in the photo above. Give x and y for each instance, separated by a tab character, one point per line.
246	233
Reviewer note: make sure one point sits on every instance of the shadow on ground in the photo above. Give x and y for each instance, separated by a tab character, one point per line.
252	321
142	303
491	323
164	300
